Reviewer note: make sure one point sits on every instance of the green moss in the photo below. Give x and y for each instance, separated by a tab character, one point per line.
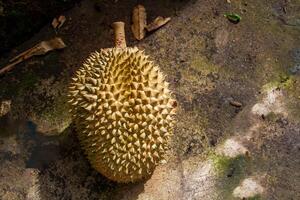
271	117
206	68
203	65
57	110
282	81
293	99
53	118
286	81
256	197
223	164
289	84
199	75
230	172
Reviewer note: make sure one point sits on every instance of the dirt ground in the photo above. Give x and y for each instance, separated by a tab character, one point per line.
212	65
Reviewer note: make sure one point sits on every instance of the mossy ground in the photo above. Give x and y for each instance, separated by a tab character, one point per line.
257	197
224	164
205	70
230	172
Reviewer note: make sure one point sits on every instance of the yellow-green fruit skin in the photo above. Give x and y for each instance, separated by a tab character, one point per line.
123	111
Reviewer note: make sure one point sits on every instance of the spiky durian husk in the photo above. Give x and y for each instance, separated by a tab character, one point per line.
123	111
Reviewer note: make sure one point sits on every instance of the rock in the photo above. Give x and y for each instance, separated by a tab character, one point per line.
242	66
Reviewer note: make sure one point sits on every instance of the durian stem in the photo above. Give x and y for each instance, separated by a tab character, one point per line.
120	40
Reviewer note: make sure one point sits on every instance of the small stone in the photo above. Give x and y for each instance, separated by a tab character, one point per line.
236	103
5	107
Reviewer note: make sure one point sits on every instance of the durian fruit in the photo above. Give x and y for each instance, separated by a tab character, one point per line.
123	111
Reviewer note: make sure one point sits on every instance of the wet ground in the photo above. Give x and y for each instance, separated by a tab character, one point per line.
235	82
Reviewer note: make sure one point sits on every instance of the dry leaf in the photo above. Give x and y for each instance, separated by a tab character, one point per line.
157	23
58	22
39	49
61	21
55	23
139	19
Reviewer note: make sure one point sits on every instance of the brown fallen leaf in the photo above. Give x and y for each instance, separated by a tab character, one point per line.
157	23
55	23
58	22
61	19
39	49
139	19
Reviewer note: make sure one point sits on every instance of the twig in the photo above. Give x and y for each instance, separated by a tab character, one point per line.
39	49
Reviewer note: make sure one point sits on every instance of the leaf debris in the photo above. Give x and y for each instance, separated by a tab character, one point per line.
232	17
39	49
139	19
157	23
57	23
